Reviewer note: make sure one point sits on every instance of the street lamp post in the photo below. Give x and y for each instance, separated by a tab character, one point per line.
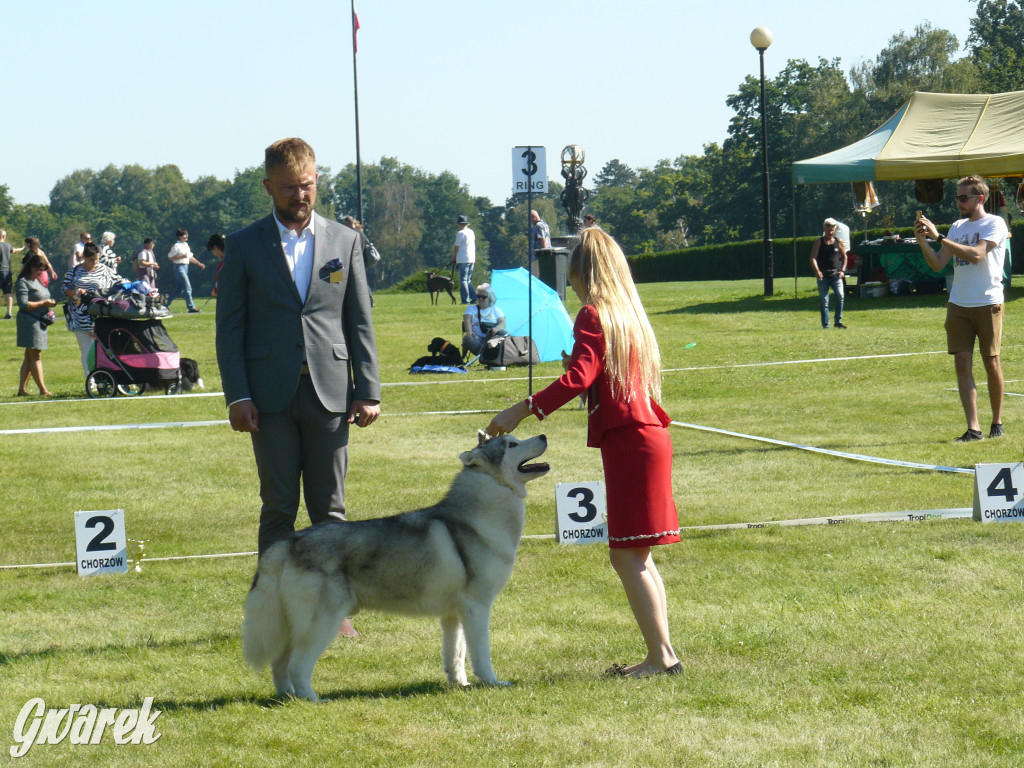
761	38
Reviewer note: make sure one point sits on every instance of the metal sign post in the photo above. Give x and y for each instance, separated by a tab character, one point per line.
529	172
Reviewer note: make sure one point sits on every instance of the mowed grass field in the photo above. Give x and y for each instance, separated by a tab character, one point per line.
865	644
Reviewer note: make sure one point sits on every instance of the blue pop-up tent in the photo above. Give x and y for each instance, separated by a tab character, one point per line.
552	329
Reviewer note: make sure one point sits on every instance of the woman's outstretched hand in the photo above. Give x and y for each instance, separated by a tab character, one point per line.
508	420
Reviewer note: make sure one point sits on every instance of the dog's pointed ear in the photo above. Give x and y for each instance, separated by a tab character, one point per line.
469	458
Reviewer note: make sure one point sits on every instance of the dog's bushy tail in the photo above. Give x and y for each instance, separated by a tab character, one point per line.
265	631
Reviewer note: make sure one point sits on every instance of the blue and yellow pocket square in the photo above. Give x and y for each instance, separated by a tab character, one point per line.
333	271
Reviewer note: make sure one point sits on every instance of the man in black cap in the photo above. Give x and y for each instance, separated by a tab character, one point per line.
464	255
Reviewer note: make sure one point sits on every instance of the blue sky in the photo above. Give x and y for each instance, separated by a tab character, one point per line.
443	86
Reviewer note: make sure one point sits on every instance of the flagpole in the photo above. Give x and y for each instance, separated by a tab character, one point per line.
355	91
529	277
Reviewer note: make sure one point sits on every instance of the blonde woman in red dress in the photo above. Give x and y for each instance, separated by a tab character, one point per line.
615	360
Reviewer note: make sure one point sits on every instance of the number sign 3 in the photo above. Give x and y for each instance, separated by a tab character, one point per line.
580	512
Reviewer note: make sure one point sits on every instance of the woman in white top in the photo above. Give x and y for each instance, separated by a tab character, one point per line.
482	320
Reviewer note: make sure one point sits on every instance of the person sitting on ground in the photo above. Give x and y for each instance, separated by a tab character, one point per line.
482	320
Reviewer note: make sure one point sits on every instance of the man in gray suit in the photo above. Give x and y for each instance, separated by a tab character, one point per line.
295	345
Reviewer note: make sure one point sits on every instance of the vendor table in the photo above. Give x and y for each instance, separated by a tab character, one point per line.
904	261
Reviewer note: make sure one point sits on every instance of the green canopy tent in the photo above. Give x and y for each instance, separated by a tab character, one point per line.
932	136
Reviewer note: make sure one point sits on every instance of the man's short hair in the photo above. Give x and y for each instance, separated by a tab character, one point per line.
181	233
829	223
90	249
293	154
976	183
216	240
84	236
148	241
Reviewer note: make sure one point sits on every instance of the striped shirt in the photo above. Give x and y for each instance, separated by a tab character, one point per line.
99	280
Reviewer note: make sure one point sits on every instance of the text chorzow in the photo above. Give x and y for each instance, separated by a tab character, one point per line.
83	724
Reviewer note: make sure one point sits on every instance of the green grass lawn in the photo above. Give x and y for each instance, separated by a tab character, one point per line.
873	644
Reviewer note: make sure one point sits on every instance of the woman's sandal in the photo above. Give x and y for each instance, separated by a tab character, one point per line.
616	670
619	670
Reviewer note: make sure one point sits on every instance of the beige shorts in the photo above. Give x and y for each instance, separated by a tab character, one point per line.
965	324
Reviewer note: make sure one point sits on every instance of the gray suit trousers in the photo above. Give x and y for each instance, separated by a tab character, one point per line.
305	439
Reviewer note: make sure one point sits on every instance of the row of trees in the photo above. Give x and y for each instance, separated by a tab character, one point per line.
811	109
409	214
701	199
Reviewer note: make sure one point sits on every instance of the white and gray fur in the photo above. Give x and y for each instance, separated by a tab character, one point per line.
449	560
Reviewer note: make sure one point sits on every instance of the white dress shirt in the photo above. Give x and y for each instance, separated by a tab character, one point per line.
298	251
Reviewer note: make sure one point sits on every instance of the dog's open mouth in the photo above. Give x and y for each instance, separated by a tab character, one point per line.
540	466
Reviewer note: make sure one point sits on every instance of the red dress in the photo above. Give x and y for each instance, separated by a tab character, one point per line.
636	449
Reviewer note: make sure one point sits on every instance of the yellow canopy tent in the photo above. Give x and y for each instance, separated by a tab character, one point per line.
932	136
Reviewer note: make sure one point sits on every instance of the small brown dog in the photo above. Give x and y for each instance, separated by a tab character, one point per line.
436	284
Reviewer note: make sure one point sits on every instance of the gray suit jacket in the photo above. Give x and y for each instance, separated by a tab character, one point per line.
264	330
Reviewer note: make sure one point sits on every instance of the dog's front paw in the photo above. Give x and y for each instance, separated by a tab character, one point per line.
458	679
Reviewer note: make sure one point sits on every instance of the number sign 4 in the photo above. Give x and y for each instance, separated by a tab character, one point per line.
998	493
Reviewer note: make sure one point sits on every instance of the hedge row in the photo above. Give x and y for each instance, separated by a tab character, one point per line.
745	260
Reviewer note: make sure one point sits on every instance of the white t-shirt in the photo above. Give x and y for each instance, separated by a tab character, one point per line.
465	239
485	320
981	284
179	253
843	235
76	255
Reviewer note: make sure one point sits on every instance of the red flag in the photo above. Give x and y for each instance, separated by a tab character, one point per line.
355	30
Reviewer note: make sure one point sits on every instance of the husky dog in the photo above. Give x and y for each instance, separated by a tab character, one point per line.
449	560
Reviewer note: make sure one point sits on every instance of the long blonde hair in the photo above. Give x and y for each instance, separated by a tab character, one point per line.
631	358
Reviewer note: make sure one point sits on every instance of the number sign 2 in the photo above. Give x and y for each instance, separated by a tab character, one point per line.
101	543
580	512
999	493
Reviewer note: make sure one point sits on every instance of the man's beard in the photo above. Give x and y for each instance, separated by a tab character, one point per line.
290	216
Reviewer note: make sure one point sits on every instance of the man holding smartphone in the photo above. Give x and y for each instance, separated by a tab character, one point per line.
977	245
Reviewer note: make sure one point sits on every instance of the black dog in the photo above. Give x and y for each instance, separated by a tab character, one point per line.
438	283
442	353
190	378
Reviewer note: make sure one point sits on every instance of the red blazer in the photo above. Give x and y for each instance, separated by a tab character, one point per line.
586	374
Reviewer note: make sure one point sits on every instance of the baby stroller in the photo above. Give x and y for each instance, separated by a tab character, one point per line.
128	354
